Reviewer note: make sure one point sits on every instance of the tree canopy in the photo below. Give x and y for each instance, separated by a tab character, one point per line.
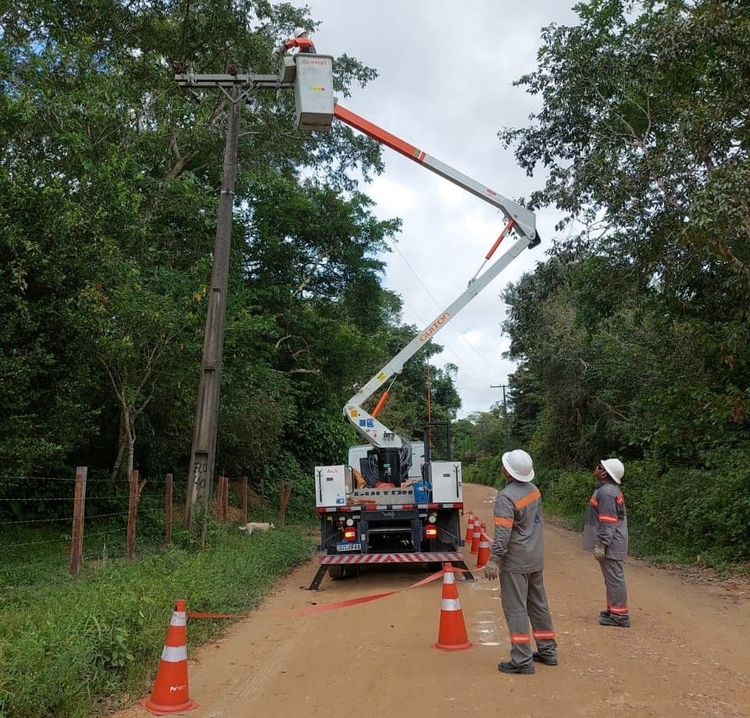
109	187
632	337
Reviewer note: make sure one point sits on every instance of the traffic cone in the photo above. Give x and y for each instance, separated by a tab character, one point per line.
170	693
452	632
476	535
484	550
470	528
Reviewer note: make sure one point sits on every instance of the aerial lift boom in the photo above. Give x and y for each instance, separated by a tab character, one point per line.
366	424
382	506
524	219
519	220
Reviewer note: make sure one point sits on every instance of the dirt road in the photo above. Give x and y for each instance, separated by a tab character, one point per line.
686	654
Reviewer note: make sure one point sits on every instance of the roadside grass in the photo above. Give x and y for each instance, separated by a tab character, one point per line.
81	648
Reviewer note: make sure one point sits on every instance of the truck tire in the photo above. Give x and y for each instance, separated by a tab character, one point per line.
336	572
351	571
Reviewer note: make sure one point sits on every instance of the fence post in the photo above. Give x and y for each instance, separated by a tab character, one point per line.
168	506
76	534
223	498
135	495
285	493
244	500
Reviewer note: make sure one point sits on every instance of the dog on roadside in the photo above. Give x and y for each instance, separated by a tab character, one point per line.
256	526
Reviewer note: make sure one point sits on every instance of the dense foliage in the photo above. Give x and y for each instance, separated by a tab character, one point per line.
109	186
632	338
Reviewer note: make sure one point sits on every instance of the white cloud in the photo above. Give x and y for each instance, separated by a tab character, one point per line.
392	197
445	85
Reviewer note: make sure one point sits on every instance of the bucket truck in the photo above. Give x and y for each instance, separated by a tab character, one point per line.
390	503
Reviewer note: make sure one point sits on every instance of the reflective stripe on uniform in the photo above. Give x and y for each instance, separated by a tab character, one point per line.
526	500
504	522
608	519
519	638
618	610
544	635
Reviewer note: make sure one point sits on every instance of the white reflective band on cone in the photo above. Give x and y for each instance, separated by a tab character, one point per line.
179	618
450	604
449	578
174	654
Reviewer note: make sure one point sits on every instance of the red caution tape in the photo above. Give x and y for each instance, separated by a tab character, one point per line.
360	599
332	606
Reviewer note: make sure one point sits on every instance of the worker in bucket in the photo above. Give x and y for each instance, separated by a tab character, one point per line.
517	557
606	534
300	40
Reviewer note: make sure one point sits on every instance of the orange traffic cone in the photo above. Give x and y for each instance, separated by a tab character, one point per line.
484	550
470	528
452	633
476	535
170	693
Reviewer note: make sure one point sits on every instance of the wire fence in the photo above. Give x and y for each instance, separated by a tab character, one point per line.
52	527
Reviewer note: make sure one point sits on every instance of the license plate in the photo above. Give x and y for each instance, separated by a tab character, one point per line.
346	546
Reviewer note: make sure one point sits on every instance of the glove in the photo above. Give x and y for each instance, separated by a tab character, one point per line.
278	51
492	569
599	551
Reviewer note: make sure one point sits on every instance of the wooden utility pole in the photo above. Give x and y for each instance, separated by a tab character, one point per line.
236	87
203	452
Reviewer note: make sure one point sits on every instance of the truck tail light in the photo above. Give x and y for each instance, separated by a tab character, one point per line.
430	531
350	533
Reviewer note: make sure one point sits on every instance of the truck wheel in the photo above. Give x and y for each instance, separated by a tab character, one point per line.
351	571
336	572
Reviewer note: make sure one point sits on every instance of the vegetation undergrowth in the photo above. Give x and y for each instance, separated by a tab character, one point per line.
675	515
77	648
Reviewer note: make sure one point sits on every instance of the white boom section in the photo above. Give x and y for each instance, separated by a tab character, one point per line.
524	219
368	426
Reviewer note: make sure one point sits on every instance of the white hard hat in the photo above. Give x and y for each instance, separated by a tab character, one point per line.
614	468
519	465
299	32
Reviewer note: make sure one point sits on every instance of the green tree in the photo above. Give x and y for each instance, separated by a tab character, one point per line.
638	334
110	177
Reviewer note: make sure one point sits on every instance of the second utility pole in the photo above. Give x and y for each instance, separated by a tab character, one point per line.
505	415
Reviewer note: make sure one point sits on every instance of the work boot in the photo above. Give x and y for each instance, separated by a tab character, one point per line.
547	660
612	620
508	667
604	614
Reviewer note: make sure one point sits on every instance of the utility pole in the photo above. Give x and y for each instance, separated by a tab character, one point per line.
236	87
506	427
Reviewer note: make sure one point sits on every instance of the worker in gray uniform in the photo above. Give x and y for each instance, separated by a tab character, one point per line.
517	556
606	534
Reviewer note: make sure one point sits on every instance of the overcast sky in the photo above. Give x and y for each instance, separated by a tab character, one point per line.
445	84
